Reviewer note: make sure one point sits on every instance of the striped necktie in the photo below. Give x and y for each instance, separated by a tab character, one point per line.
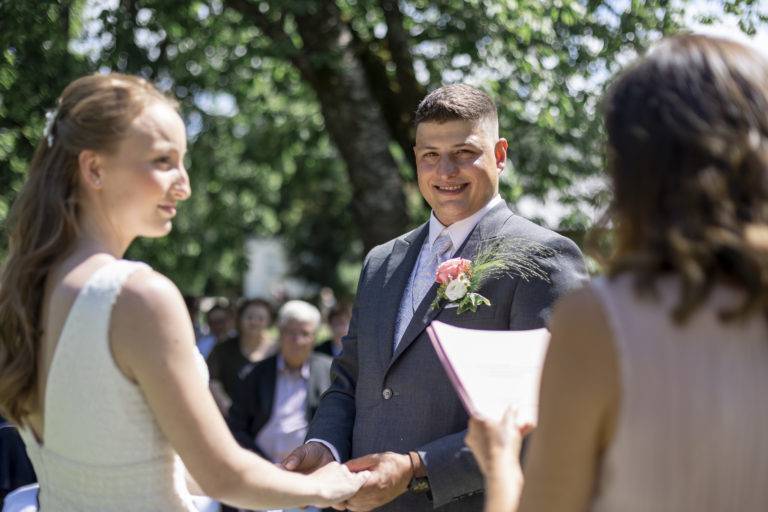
421	282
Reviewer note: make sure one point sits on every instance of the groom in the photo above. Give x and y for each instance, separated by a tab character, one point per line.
390	407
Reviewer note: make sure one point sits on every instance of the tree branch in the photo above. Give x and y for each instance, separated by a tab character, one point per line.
410	90
355	121
395	110
274	30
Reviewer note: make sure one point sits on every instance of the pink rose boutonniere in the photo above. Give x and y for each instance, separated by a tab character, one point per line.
460	279
456	285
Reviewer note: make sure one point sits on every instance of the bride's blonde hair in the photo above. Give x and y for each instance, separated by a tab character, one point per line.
93	113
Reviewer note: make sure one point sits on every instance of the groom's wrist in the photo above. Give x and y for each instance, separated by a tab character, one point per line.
328	446
417	465
419	482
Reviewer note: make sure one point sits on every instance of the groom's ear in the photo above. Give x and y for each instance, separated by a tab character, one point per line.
500	152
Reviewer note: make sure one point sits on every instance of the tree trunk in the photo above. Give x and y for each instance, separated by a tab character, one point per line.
355	122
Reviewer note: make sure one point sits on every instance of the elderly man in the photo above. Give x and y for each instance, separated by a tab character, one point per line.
273	404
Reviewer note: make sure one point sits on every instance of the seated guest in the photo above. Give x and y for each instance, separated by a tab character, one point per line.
15	467
232	359
219	321
653	394
338	320
273	404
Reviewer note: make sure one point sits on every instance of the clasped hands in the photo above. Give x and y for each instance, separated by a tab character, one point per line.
390	474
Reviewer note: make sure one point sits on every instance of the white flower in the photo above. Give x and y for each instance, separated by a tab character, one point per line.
456	289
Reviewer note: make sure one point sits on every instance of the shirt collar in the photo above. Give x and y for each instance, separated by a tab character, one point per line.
460	230
282	368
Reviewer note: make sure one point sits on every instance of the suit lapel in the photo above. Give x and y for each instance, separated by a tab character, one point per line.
486	229
399	267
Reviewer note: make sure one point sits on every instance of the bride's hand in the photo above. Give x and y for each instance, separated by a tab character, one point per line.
336	483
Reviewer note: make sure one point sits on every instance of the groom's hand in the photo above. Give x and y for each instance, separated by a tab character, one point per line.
307	458
390	475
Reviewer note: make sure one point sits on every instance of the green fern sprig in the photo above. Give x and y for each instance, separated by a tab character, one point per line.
516	256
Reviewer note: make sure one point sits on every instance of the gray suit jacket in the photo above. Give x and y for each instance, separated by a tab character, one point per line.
403	401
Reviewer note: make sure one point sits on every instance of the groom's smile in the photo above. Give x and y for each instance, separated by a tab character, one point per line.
452	189
458	165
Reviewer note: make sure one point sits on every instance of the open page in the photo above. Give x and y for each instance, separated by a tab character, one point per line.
492	370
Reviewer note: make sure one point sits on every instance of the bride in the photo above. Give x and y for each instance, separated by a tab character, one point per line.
98	365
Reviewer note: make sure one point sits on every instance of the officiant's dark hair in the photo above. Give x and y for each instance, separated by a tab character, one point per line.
688	156
456	102
94	112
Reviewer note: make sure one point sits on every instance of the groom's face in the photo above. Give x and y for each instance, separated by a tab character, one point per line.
458	164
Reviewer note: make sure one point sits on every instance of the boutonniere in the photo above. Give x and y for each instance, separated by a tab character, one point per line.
460	279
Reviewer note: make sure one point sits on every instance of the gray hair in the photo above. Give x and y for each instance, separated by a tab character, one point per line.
298	311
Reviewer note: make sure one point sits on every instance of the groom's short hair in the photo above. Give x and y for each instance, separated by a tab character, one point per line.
456	102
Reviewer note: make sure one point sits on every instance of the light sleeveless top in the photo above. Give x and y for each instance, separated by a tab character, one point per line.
103	450
692	429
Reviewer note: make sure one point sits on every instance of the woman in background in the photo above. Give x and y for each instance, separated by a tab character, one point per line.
98	365
232	359
653	395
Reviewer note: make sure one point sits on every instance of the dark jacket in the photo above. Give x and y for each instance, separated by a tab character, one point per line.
255	394
325	347
15	468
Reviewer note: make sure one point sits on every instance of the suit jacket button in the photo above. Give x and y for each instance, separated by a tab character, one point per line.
386	394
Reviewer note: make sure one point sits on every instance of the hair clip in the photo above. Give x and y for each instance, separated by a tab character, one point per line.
50	119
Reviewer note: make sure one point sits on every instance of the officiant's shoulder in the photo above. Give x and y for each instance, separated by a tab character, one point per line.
582	356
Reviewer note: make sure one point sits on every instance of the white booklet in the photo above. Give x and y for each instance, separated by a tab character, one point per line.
492	370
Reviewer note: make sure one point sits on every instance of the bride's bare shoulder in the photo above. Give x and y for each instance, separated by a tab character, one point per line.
147	290
149	317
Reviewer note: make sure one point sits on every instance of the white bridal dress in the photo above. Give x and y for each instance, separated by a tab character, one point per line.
103	450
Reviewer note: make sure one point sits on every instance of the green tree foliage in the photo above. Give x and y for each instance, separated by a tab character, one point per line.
35	65
299	113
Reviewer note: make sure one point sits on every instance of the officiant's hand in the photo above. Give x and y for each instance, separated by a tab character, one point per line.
389	478
496	444
308	458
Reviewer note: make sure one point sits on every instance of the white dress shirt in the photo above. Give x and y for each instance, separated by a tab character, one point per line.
287	423
459	230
